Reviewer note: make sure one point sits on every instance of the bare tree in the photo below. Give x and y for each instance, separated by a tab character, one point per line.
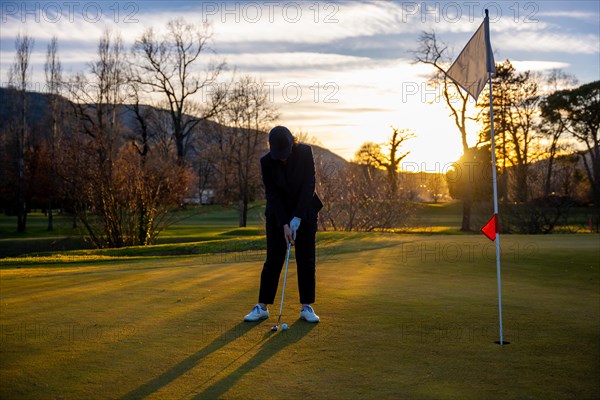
433	52
125	185
53	71
161	122
96	105
146	189
365	195
305	137
140	141
244	119
18	78
371	154
149	178
436	185
330	188
359	199
168	64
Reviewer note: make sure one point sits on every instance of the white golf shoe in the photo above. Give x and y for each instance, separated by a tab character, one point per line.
256	314
308	314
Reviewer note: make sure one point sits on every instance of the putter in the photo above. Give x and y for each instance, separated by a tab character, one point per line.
287	261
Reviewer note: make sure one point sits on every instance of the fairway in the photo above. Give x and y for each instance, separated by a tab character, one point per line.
403	317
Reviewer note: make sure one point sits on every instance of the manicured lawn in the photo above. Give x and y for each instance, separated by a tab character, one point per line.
190	225
403	317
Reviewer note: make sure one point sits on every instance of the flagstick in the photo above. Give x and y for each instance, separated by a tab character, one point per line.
490	69
495	185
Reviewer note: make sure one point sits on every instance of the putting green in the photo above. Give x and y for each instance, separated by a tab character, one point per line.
403	317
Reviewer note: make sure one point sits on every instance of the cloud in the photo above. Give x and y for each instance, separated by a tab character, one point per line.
303	22
294	60
578	15
77	30
531	65
545	42
323	22
364	109
359	49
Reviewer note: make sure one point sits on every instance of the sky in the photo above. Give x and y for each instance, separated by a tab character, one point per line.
341	72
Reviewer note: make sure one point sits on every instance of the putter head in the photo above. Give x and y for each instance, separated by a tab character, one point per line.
274	328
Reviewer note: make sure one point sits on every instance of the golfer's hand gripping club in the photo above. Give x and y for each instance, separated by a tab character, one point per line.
294	225
287	233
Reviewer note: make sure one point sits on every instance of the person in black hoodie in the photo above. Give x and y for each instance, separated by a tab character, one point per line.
288	173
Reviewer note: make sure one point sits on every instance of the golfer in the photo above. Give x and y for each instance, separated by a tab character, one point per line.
288	173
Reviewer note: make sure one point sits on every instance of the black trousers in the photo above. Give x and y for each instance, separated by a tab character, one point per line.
304	249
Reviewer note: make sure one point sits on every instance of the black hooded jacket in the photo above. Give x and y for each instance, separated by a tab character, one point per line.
290	186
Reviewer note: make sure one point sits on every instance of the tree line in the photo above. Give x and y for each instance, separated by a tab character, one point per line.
546	135
124	142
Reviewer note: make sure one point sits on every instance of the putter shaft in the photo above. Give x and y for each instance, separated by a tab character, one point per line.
287	261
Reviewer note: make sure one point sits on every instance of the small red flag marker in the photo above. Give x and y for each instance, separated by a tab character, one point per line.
491	228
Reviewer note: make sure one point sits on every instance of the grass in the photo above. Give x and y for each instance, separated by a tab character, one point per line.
164	321
208	223
192	225
436	218
129	324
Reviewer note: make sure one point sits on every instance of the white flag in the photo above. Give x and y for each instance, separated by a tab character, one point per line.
470	70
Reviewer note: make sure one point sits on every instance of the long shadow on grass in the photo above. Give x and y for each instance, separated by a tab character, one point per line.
275	343
189	363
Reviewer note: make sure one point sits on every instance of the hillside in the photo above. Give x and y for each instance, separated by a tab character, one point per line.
38	104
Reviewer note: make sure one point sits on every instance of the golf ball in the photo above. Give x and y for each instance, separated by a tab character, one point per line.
284	327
